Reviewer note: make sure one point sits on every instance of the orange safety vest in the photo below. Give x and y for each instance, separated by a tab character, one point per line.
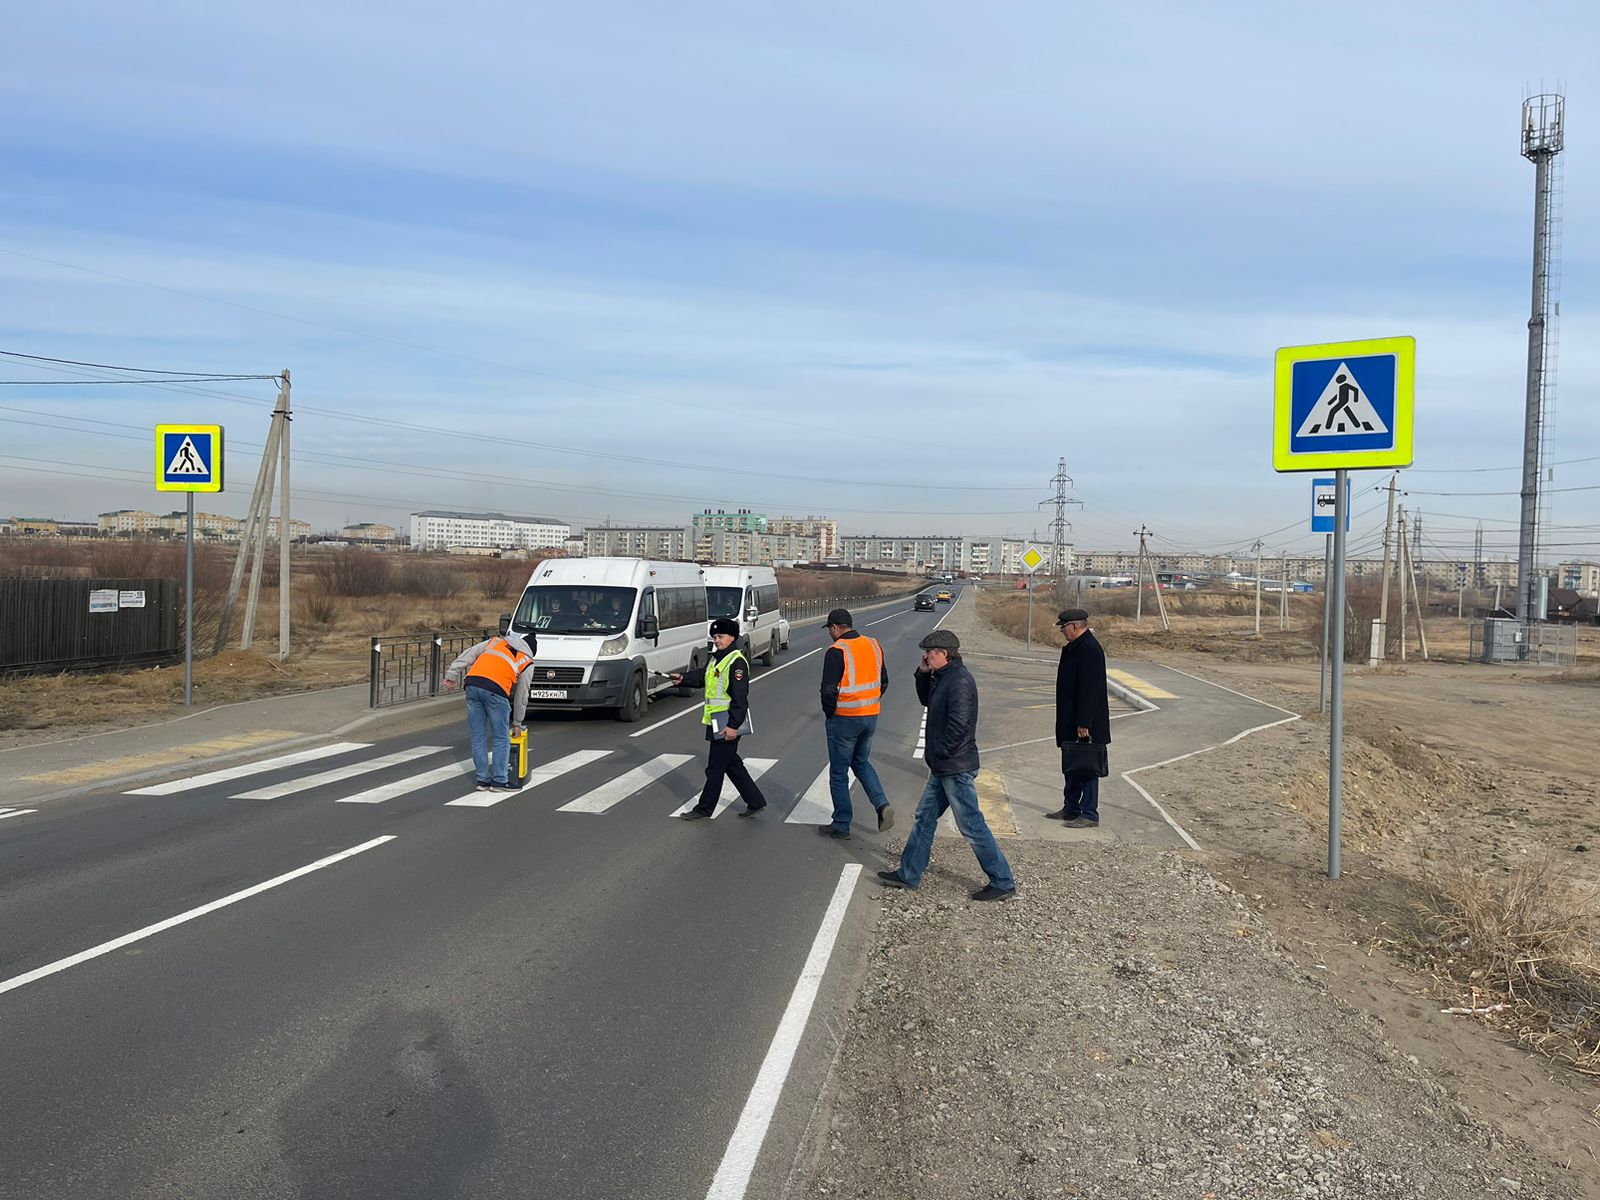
861	689
500	665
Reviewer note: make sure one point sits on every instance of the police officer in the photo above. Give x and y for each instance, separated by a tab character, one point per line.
727	683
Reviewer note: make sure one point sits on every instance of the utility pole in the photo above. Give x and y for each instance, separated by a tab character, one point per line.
252	529
1400	572
1283	598
1409	577
1147	562
284	529
1258	586
1380	632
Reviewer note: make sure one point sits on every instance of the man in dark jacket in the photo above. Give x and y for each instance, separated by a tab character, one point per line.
726	716
1083	714
950	694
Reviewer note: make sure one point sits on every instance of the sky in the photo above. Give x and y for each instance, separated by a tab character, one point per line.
887	262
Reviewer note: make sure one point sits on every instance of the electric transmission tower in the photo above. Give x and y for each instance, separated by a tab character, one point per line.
1059	525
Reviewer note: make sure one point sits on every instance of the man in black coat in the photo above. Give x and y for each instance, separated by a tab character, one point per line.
1083	714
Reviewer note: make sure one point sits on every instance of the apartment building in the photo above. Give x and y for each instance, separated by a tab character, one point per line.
826	531
669	542
941	553
368	531
1581	577
437	530
128	522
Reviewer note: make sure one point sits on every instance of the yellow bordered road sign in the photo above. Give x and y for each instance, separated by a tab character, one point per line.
1344	405
188	458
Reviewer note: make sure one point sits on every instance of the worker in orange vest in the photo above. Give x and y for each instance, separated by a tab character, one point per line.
497	678
854	680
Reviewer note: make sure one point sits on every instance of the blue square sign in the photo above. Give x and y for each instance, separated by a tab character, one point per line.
1322	505
1342	404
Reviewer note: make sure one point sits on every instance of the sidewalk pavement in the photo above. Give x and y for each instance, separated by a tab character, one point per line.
71	766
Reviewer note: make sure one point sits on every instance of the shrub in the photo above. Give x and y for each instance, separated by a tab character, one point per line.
354	573
433	579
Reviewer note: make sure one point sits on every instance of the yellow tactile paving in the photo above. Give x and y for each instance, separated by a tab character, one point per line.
132	763
1148	690
995	804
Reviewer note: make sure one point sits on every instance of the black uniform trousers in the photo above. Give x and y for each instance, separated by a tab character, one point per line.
724	762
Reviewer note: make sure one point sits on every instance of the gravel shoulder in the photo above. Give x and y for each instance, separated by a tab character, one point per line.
1140	1023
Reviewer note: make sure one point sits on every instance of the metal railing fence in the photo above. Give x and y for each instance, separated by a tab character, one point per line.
411	666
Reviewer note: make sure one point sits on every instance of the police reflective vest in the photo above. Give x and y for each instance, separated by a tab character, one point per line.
717	697
500	664
861	688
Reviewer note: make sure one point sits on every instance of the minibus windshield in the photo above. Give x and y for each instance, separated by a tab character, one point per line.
724	601
575	608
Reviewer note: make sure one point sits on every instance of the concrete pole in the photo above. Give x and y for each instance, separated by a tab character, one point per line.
1533	416
1258	587
1138	587
1380	649
1283	598
246	540
1336	686
1399	564
283	527
258	547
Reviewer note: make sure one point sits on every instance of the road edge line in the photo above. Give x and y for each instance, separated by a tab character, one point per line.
750	1133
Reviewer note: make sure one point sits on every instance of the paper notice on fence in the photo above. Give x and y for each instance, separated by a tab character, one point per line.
103	601
130	599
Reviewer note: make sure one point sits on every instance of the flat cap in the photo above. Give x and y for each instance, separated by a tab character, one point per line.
940	639
1071	614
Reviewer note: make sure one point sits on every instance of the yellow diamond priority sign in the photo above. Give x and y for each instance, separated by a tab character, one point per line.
1031	558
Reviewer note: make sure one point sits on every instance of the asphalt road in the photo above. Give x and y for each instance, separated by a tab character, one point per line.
505	1001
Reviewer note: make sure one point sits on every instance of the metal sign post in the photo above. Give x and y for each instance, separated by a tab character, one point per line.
1327	615
1341	406
188	459
1031	558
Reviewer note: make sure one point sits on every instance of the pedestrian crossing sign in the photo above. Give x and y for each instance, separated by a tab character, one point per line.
1344	405
188	458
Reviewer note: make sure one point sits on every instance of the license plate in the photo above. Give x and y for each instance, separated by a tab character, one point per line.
547	693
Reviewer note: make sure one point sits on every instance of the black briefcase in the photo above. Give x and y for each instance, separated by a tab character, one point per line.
1084	758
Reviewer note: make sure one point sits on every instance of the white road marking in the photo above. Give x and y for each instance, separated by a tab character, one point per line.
137	935
922	736
1241	695
1179	829
306	782
619	789
757	768
255	768
414	783
15	812
816	806
744	1147
544	774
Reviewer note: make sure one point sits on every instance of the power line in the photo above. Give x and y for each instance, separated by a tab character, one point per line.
70	362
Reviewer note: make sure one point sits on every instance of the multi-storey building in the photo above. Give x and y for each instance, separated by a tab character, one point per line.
299	530
212	527
129	522
826	532
940	553
368	531
435	530
668	542
1581	577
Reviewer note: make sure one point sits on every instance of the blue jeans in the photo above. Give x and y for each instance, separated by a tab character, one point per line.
959	793
849	744
489	717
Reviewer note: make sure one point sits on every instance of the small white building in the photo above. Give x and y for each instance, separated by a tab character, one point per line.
495	531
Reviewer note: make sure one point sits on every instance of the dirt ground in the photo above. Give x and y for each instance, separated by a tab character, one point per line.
1450	767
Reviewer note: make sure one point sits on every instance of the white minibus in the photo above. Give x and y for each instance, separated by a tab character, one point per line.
610	630
749	595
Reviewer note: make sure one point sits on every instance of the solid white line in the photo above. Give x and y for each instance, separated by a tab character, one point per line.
1241	695
744	1147
1129	774
388	791
150	930
619	789
16	812
544	774
306	782
816	806
255	768
757	768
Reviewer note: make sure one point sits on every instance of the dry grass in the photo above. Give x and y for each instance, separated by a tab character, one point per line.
1518	948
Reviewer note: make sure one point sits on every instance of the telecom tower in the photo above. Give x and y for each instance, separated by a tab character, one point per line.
1543	118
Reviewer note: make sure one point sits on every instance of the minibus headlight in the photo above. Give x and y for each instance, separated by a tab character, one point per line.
612	647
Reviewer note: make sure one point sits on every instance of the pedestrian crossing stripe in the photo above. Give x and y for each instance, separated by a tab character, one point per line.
1344	405
757	768
188	458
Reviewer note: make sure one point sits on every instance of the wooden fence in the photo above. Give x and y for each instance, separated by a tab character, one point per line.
85	624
